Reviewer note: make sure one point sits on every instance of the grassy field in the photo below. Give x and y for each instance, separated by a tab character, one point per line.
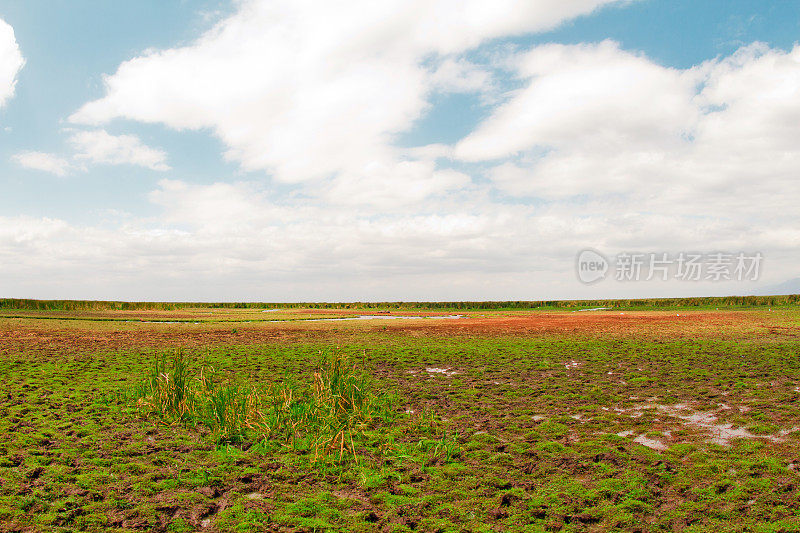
226	419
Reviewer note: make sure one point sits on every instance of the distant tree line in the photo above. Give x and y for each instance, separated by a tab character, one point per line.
91	305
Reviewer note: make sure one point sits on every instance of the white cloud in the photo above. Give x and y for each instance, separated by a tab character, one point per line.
236	241
595	120
458	75
100	147
229	206
598	147
394	186
43	161
11	62
307	90
588	95
95	147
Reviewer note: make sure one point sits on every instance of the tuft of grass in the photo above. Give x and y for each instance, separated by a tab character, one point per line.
326	418
166	389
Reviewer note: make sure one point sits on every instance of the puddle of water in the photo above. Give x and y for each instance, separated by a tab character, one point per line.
654	444
650	443
445	371
596	309
721	434
162	321
380	317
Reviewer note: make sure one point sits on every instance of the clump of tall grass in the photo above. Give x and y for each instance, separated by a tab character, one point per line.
328	417
325	418
166	388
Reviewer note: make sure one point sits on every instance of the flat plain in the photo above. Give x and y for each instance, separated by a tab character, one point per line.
622	419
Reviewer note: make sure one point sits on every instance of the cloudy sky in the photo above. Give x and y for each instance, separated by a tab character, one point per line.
285	150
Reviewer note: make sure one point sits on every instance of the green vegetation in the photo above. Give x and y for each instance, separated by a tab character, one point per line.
644	303
331	414
350	427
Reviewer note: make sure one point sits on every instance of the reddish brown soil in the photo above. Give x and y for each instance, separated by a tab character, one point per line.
591	323
87	336
79	339
359	312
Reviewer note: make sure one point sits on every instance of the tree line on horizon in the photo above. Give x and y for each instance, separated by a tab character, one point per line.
100	305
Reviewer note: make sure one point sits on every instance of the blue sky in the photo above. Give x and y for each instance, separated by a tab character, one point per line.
67	51
442	164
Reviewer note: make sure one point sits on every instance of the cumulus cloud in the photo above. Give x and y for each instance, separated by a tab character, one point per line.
394	186
595	146
95	147
43	161
591	95
237	241
306	90
596	120
458	75
11	62
100	147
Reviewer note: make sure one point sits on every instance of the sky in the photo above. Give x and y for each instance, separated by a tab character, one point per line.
388	150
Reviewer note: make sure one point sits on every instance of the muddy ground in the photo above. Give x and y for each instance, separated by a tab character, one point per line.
504	421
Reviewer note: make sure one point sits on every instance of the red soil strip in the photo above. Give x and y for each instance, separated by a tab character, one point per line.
89	336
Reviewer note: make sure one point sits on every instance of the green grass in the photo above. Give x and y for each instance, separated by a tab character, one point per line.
329	415
245	435
641	303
